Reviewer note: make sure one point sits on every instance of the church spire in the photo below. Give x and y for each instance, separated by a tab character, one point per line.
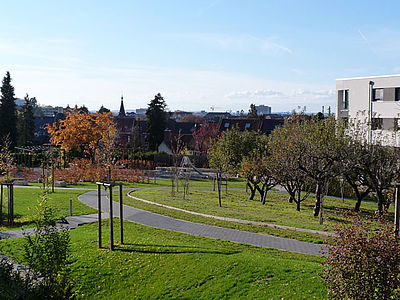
122	109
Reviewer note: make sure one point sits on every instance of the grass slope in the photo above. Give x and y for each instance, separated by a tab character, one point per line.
157	264
235	204
301	236
25	200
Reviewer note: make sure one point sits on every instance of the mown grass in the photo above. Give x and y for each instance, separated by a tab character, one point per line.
159	264
235	204
25	200
161	182
301	236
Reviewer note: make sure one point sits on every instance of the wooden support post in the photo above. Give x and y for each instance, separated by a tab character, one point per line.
111	220
9	205
219	188
397	210
321	212
11	187
44	181
52	177
1	203
99	209
121	216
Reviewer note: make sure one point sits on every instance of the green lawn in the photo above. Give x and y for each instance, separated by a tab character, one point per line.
301	236
25	200
233	182
235	204
156	264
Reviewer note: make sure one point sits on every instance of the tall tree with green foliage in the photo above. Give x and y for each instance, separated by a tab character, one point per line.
156	121
252	112
26	122
241	152
103	110
286	154
320	142
8	113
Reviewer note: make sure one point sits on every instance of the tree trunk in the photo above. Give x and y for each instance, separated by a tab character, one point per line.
264	195
260	191
252	190
318	192
219	188
290	200
380	208
358	204
381	202
298	202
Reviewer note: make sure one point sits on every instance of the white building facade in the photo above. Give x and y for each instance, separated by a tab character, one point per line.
375	101
263	109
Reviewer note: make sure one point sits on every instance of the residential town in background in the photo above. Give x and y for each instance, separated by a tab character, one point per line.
131	123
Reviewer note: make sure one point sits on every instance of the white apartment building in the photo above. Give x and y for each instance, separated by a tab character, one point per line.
373	100
263	109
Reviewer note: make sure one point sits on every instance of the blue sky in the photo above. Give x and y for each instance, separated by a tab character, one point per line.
197	54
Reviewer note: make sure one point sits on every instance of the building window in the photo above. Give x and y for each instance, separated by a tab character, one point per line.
377	95
345	100
397	94
345	122
226	125
247	126
376	123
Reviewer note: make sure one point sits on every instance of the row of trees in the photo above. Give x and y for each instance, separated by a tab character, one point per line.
18	125
307	154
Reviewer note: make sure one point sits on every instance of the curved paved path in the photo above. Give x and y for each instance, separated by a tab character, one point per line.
159	221
242	221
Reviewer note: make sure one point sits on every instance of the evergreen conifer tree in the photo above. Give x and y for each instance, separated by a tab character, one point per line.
252	112
8	113
26	122
156	121
103	110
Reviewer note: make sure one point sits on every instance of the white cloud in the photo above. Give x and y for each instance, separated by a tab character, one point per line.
182	89
314	94
240	42
382	42
287	98
254	94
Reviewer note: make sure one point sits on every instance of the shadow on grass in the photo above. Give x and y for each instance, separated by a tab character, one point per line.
17	223
168	249
339	220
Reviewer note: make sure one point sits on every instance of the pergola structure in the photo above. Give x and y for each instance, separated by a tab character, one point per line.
10	197
25	153
48	151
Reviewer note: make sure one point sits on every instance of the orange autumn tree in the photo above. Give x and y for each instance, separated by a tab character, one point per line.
81	131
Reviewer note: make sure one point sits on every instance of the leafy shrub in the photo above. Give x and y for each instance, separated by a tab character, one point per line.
363	261
46	253
12	285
